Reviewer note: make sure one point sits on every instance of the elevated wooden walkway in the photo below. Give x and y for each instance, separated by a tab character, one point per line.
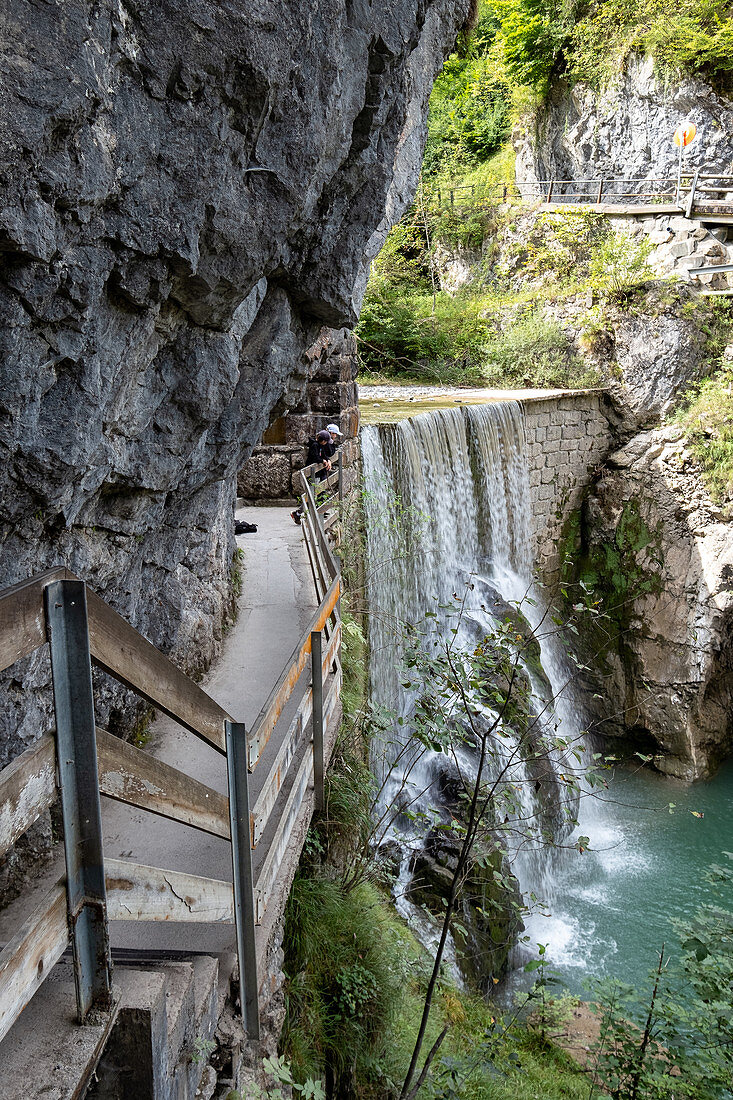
707	197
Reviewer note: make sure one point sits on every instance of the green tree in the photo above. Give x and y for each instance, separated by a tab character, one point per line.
674	1042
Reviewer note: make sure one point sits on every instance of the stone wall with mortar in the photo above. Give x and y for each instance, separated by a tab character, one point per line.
567	436
679	244
328	397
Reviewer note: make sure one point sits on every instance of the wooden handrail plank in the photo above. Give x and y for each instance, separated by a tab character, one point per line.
313	561
319	536
331	563
137	892
120	650
331	696
328	504
328	603
332	650
27	788
277	774
276	777
268	717
266	720
281	839
27	960
318	565
22	621
130	775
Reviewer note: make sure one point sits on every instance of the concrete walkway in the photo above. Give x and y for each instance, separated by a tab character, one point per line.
276	603
277	600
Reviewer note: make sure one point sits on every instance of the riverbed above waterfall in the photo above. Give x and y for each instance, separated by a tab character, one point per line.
385	404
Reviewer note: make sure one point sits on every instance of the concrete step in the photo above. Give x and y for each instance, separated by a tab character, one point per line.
46	1053
158	1047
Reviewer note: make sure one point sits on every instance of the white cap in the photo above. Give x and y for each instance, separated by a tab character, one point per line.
334	428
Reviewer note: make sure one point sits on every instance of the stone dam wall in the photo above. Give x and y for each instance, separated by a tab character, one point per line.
568	436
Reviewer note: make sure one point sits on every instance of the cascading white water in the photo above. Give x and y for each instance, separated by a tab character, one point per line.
448	506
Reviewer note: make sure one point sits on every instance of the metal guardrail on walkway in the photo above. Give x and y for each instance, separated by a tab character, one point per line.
79	762
690	193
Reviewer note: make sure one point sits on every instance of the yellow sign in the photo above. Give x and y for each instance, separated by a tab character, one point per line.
684	134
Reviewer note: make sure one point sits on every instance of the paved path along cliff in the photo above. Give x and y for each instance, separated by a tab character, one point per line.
276	602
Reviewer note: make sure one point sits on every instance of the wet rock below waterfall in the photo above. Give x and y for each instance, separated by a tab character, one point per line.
488	919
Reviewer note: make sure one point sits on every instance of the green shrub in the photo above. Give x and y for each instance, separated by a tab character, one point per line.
468	119
681	35
708	422
619	265
408	334
564	243
533	35
536	352
403	258
464	226
344	966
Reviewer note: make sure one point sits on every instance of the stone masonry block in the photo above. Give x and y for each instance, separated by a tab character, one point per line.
299	429
679	249
682	224
326	397
265	476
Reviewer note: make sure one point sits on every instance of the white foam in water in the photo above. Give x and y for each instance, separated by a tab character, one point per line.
447	503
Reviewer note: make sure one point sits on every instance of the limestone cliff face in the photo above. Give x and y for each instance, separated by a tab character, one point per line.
189	192
663	552
625	131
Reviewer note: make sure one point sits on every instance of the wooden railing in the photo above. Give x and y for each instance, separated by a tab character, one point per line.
77	762
690	192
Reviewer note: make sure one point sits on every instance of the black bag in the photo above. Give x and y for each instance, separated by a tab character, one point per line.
241	527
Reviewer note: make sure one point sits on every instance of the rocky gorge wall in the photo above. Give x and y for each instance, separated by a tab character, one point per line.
190	193
651	539
636	524
624	131
646	533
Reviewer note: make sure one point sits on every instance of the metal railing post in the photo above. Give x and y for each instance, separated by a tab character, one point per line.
341	479
691	196
244	907
76	746
318	750
600	192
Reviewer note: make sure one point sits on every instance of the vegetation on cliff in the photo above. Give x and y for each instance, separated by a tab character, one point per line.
590	40
707	417
501	327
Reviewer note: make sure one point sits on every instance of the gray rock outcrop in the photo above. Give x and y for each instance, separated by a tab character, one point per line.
662	553
625	131
656	354
190	192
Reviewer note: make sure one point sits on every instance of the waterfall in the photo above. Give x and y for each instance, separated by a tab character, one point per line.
448	513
